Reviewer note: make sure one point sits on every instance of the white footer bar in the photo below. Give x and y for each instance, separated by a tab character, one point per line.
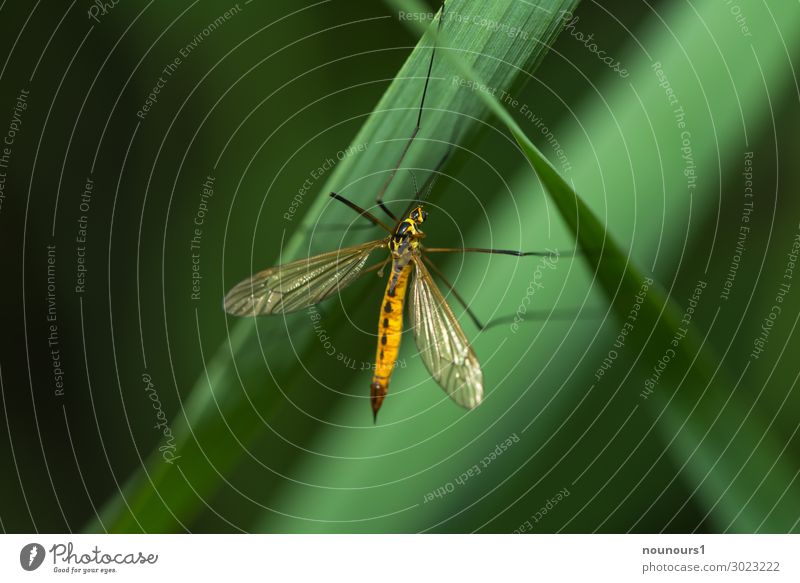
388	558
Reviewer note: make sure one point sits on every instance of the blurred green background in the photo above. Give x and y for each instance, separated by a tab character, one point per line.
174	417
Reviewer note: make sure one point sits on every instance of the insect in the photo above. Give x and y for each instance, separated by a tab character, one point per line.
442	344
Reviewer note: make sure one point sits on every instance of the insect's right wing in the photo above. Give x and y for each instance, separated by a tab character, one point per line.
442	345
299	284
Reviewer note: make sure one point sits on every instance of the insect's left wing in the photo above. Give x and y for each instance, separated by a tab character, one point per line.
299	284
441	341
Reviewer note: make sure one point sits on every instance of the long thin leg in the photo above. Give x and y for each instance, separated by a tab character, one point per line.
456	295
499	251
539	315
379	198
385	209
531	315
364	213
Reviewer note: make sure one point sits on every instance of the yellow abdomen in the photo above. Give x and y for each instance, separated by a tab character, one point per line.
390	328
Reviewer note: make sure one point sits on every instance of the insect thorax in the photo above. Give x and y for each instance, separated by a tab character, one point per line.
407	234
405	238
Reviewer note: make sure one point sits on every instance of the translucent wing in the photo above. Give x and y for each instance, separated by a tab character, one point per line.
441	342
299	284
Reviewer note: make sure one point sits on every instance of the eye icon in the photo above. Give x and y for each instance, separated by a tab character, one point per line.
31	556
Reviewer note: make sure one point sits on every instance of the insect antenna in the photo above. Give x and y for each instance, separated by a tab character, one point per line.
421	195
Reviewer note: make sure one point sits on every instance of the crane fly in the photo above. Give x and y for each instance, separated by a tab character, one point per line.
442	344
